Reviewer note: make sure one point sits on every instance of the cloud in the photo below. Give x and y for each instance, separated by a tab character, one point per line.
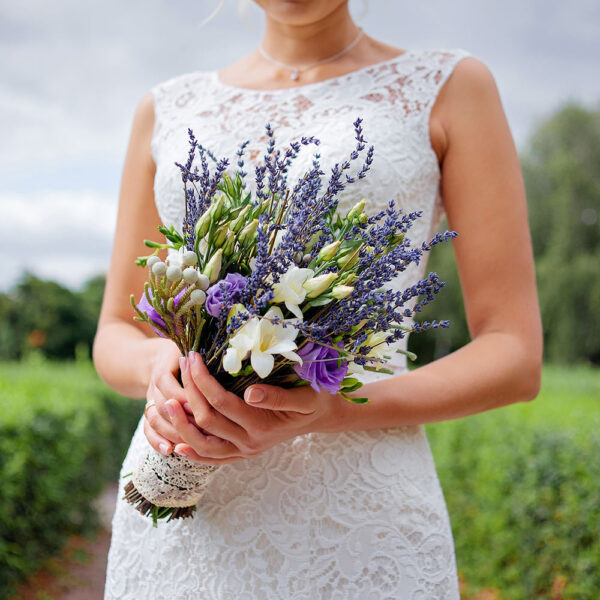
74	72
61	235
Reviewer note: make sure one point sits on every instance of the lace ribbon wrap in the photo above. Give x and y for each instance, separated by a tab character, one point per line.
171	480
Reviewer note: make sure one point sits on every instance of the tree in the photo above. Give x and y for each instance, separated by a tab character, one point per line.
562	177
561	170
45	315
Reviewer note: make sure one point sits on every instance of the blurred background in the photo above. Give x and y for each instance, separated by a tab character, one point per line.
522	482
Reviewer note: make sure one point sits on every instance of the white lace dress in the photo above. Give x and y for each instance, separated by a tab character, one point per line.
355	515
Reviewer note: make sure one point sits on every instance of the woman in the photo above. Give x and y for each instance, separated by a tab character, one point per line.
318	497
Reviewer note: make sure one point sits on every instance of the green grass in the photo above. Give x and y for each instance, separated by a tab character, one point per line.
63	434
522	484
27	387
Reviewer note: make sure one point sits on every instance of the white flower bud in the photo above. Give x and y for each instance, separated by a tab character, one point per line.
159	268
152	260
213	267
203	281
198	297
341	291
317	285
329	251
174	274
189	258
190	275
356	209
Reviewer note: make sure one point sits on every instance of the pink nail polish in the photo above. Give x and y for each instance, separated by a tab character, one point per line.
187	406
170	410
164	448
182	363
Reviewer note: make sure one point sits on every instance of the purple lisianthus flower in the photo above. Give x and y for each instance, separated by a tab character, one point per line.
231	286
320	367
153	315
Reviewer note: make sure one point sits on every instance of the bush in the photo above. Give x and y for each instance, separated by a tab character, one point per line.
63	435
522	485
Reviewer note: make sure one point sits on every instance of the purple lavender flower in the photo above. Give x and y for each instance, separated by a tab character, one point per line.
152	313
320	367
224	293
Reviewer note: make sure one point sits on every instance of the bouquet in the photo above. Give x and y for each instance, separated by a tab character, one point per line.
276	286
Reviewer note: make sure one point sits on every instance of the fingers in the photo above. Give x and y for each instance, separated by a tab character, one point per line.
158	419
300	399
168	385
203	445
159	443
212	390
207	416
187	451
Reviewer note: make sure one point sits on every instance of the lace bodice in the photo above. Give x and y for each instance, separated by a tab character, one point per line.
353	516
394	98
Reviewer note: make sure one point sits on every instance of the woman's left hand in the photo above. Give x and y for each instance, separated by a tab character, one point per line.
243	429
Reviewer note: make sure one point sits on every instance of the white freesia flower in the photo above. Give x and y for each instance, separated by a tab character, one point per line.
261	339
379	347
290	289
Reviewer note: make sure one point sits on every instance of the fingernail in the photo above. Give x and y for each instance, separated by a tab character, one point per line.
182	452
182	363
187	406
170	410
255	395
164	448
195	357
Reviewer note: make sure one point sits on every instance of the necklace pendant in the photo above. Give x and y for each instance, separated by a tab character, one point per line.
295	74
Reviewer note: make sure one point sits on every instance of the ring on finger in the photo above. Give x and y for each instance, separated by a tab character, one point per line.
148	405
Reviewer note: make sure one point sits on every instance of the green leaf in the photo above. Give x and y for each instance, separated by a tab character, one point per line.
355	400
152	244
322	300
351	388
300	382
245	371
380	370
410	355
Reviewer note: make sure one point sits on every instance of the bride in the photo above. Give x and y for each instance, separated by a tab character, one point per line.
318	497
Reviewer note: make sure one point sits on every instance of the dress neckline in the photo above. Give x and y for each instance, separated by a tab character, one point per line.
329	80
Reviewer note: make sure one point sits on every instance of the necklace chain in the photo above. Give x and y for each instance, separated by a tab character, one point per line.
296	70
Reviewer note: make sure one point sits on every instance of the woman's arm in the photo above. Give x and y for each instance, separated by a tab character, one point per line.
125	352
484	198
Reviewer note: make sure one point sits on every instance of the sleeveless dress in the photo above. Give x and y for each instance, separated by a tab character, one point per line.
351	516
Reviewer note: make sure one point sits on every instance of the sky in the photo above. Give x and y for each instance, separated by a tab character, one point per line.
72	74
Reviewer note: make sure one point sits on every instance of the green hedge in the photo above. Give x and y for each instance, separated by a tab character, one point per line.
63	435
522	484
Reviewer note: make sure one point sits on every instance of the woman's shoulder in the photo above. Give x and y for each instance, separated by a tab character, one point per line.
456	69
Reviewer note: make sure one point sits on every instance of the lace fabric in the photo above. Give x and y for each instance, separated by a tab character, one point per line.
354	515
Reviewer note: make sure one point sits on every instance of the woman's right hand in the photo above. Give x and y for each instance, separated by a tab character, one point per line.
164	386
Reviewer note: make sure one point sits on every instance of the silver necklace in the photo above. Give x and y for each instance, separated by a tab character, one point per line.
296	70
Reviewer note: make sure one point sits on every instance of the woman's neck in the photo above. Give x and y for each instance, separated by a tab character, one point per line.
299	45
